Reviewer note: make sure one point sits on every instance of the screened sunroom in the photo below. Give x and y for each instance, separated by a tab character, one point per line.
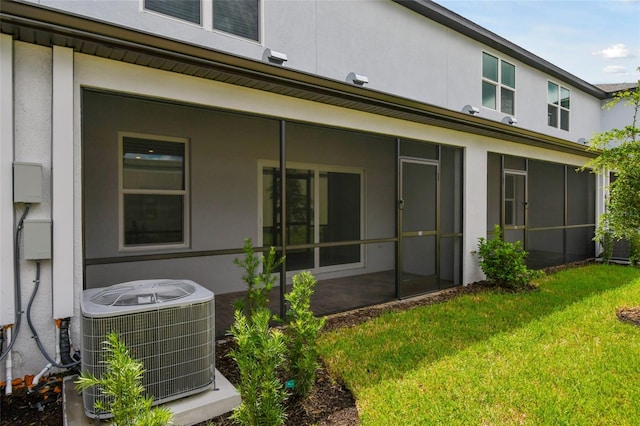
172	190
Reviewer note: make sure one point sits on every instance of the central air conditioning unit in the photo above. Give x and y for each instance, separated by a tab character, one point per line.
168	325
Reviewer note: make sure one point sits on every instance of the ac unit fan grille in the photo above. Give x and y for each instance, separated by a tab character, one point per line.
175	346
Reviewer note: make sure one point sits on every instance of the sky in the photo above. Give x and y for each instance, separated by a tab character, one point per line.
595	40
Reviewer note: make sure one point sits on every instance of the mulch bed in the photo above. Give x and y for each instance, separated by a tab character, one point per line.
630	315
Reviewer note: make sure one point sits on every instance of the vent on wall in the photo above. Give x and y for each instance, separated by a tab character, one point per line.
168	325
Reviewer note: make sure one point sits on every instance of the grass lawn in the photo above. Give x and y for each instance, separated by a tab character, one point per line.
556	356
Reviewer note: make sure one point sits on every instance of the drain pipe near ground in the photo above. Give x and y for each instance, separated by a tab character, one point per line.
38	376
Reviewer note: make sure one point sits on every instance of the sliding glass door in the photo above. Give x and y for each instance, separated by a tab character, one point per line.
323	214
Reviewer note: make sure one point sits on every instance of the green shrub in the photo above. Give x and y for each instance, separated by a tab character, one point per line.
605	238
302	334
260	355
259	283
503	263
122	387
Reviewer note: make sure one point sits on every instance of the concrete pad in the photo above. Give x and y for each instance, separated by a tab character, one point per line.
186	411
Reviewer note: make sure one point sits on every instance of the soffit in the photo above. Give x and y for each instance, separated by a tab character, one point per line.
47	27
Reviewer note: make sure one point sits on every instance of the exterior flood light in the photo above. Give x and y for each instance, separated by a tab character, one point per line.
357	79
510	120
275	57
469	109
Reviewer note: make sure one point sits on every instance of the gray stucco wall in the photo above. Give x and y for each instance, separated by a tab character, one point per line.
32	141
400	51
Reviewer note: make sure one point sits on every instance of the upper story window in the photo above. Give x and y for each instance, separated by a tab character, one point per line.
559	104
498	84
237	17
187	10
153	191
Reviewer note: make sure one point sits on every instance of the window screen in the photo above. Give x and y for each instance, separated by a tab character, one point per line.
239	17
188	10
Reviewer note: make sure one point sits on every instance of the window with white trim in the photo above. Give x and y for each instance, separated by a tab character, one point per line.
237	17
559	104
187	10
324	205
498	84
153	191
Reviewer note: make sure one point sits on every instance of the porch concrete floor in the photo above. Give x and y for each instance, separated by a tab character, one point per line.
330	296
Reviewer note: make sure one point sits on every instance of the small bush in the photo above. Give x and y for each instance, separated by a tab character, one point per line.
122	387
503	263
605	238
260	355
259	283
302	334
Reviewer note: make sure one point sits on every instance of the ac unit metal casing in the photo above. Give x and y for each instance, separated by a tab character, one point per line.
168	325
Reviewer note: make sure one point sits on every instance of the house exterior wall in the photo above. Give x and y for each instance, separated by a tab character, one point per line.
418	58
34	80
32	109
616	117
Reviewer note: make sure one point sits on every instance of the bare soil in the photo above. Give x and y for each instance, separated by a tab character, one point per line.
330	403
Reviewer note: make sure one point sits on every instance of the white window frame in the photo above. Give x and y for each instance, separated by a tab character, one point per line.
317	170
559	106
203	19
206	15
186	232
499	85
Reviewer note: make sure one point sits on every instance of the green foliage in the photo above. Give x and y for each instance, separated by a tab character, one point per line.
259	354
503	263
302	334
605	237
619	152
259	283
122	387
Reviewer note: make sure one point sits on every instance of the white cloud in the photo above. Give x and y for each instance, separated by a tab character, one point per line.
615	69
614	51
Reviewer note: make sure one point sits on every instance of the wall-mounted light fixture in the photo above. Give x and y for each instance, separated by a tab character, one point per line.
469	109
275	57
357	79
510	120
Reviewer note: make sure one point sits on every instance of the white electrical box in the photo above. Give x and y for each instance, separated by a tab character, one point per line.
37	239
27	182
